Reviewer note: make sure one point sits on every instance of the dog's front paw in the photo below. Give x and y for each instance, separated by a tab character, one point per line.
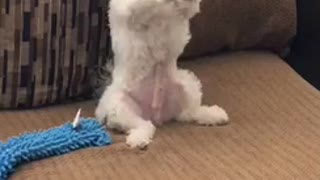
213	115
137	138
100	115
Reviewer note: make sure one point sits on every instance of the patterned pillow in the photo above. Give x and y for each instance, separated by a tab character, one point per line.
49	50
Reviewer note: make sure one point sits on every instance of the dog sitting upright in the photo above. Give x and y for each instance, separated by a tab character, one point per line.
148	89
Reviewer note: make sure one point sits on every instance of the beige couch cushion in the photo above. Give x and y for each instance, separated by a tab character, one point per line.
274	131
242	24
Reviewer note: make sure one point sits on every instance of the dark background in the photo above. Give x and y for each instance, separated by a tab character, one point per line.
305	52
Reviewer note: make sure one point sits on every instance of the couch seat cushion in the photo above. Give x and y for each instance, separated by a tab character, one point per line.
273	134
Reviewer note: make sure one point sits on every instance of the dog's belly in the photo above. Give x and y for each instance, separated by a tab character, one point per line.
158	101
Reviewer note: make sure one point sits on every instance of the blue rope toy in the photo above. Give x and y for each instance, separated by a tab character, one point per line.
83	133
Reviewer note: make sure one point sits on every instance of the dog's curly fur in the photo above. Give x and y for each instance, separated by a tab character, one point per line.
148	88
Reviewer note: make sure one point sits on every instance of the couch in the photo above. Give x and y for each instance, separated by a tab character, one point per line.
237	50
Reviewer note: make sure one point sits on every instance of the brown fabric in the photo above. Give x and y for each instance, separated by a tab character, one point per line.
48	49
274	131
242	24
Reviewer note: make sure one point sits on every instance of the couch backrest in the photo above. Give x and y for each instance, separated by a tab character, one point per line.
242	24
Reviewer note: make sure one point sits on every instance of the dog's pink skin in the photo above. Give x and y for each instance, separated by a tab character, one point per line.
158	96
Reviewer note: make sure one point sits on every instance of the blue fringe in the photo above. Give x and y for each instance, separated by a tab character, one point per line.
53	142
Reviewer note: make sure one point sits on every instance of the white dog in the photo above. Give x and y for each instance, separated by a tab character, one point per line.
148	89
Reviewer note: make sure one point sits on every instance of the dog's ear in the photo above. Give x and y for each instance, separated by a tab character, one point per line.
140	13
188	8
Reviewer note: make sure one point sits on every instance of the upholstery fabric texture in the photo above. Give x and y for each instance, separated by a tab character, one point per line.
273	133
49	49
244	24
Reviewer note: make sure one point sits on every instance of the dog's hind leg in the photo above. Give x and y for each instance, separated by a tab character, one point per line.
193	110
125	115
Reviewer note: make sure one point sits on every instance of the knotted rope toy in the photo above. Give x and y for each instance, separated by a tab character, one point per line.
82	133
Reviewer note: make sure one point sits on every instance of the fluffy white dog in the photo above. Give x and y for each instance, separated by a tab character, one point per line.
148	88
